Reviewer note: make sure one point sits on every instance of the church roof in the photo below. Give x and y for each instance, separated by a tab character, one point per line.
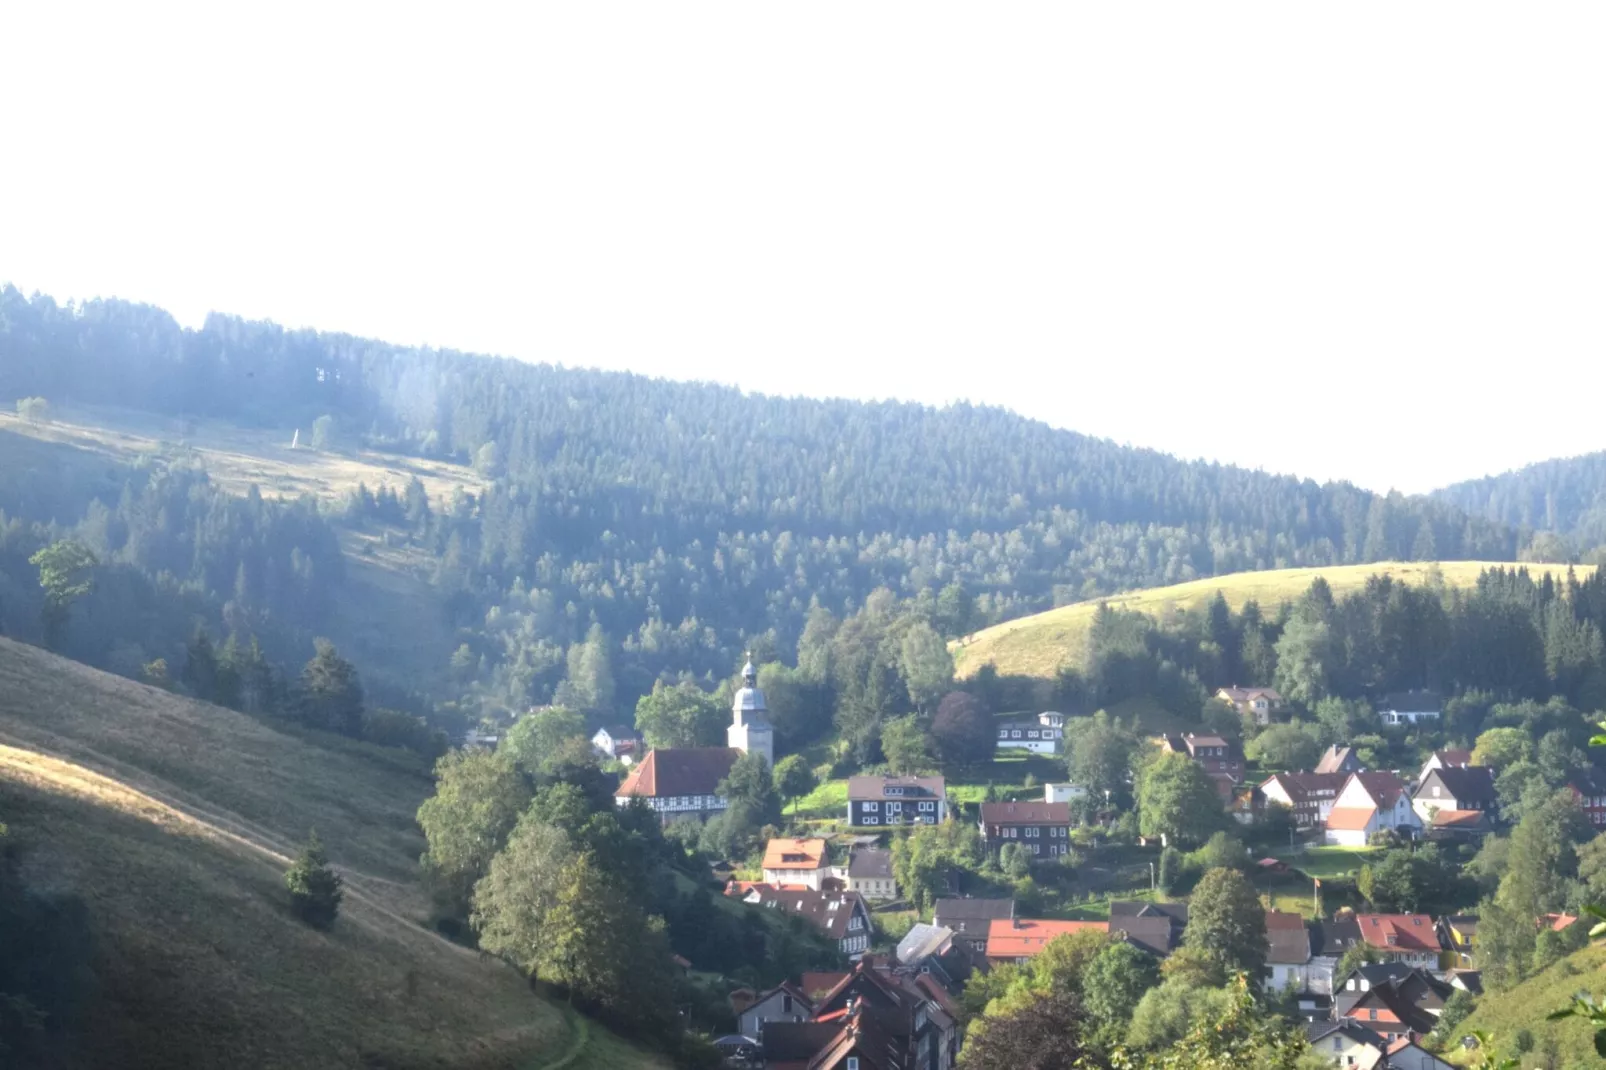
676	771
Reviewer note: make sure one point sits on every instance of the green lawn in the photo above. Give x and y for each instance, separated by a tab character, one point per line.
1328	861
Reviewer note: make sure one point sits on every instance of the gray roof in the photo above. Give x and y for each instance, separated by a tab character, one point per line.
870	863
1142	908
1315	1031
1153	934
922	941
1288	947
967	909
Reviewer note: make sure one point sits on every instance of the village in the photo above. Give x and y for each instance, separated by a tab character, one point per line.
1369	987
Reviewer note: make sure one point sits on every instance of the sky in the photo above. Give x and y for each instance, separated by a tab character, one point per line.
1362	241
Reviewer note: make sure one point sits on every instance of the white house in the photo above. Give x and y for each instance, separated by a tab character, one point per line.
1409	707
783	1004
1346	1043
617	741
1062	793
1051	719
796	862
1367	803
1029	735
1288	958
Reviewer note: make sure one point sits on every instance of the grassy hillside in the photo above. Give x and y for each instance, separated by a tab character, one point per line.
235	457
173	822
1525	1007
1038	645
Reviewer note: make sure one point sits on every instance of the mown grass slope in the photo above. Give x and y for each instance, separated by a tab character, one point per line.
1503	1014
1040	644
173	822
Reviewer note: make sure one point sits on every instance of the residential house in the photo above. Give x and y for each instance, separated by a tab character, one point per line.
1213	753
1029	735
797	862
970	918
1367	803
1589	788
1043	828
870	873
1451	758
794	1045
923	942
1460	788
934	951
784	1003
1410	707
907	800
1329	940
1338	759
1468	981
891	1020
1393	1000
841	916
1308	796
1051	719
1346	1043
1406	1054
1020	940
1153	927
617	741
1062	793
1288	952
680	782
1407	938
1458	937
1257	702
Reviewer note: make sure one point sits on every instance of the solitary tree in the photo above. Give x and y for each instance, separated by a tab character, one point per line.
1226	919
794	779
331	691
64	572
962	731
1177	800
315	891
903	741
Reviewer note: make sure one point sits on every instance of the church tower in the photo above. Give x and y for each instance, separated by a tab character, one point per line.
750	730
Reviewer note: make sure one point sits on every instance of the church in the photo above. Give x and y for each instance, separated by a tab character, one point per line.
683	782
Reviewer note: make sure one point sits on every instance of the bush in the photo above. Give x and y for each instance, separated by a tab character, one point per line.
315	891
392	728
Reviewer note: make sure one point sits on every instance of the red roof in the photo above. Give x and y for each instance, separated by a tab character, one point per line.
1025	813
1383	788
670	772
1350	818
794	854
1018	938
1411	932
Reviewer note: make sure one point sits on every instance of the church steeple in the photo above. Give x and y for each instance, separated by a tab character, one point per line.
750	729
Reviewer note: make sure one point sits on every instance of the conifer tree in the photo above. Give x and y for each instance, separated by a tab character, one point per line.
315	888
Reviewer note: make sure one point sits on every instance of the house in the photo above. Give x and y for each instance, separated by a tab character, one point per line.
1467	787
1468	981
1393	1000
1062	793
1406	1054
617	741
907	800
870	873
1020	940
794	1045
1214	754
1043	828
970	918
1288	952
1367	803
1339	760
680	783
1458	937
841	916
890	1020
1329	940
1308	796
1257	702
796	862
1589	788
1051	719
1409	707
1346	1043
1445	759
1406	938
1460	825
1029	735
922	942
933	950
1153	927
785	1003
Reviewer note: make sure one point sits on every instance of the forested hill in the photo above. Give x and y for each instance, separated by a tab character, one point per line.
685	519
1566	496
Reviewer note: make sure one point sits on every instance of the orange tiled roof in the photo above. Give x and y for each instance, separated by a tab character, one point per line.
1350	818
669	772
1014	938
787	853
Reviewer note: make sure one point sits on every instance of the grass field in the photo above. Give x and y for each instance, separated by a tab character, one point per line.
1326	862
1040	644
234	457
1525	1007
173	822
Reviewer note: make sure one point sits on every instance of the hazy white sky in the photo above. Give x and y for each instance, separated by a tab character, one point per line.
1364	241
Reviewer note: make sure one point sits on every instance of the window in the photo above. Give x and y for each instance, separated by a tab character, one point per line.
786	1004
1371	1015
1015	734
926	806
1037	848
1003	733
853	1062
871	819
872	806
